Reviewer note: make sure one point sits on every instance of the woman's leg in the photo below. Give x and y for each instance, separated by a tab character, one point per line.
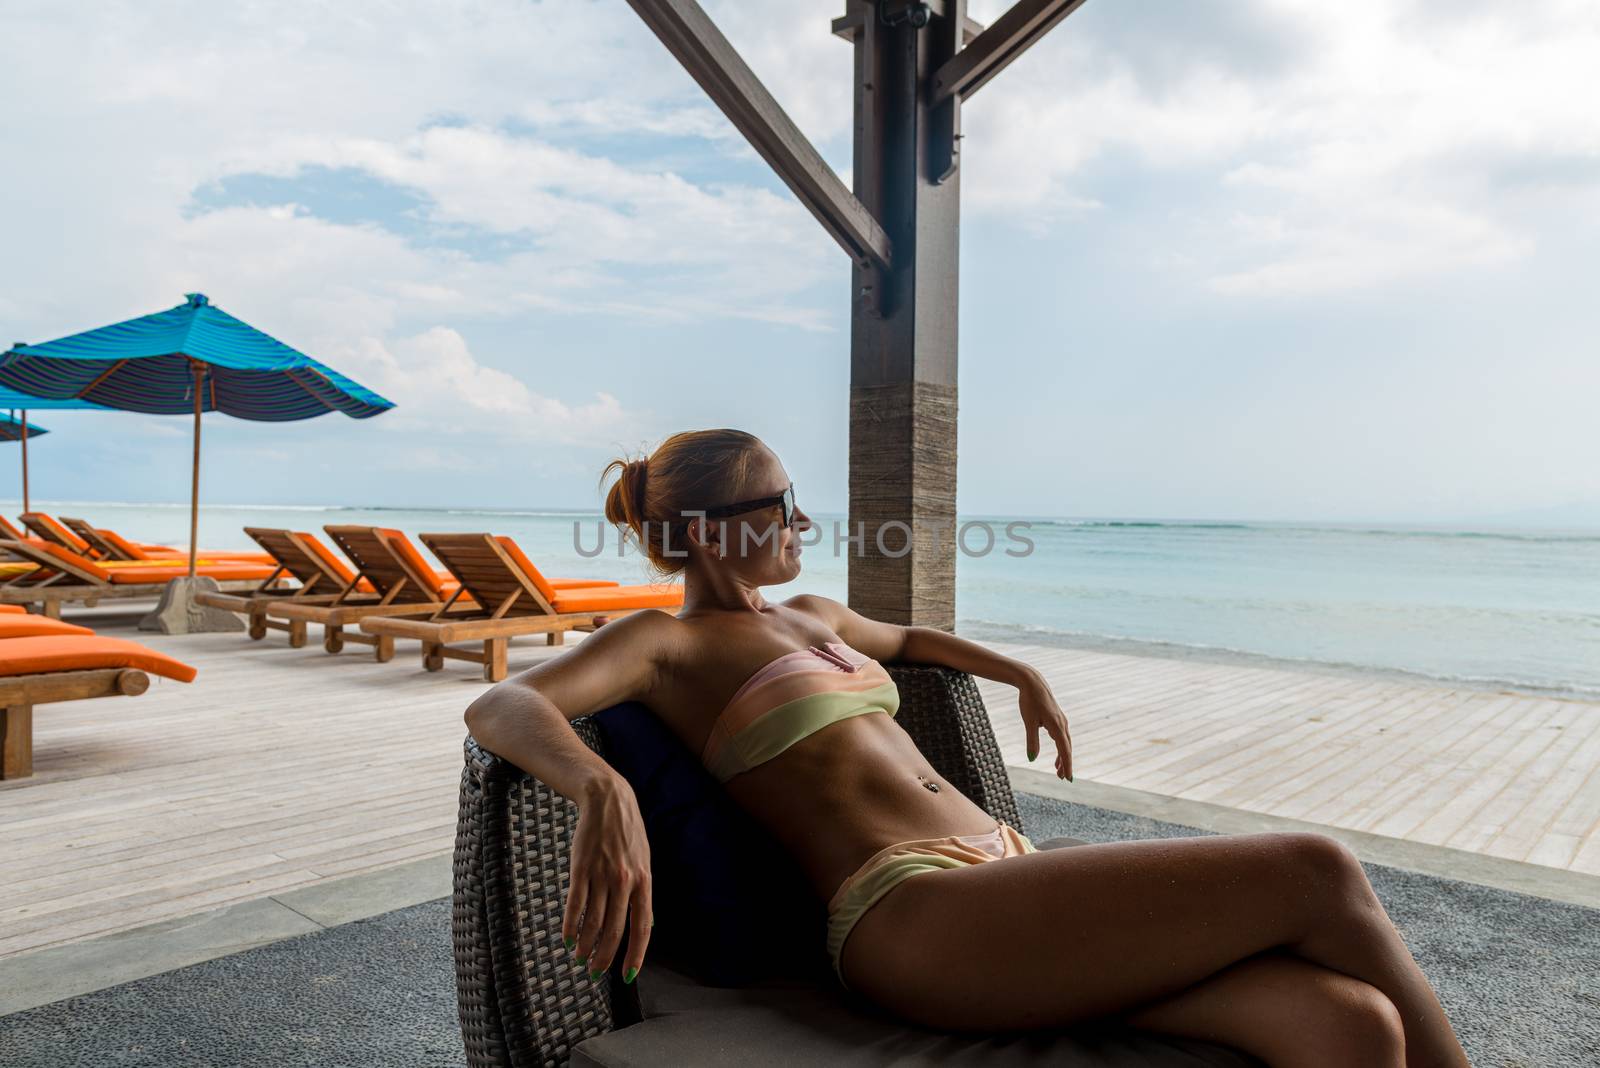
1067	935
1287	1011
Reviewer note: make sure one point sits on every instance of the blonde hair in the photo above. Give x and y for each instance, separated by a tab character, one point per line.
690	470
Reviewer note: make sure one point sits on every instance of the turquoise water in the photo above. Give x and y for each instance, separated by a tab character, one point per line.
1494	607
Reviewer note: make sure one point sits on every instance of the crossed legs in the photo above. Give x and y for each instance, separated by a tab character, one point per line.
1271	943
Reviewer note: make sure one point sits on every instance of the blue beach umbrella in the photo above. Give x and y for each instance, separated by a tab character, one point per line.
11	428
16	402
195	357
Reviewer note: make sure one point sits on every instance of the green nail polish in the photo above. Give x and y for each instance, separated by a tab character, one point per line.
569	942
584	960
595	975
1032	754
627	976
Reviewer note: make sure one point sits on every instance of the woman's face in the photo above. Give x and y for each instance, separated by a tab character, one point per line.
755	544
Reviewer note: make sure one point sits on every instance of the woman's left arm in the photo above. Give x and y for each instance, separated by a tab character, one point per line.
928	645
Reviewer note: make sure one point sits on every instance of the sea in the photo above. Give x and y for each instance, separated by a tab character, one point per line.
1515	609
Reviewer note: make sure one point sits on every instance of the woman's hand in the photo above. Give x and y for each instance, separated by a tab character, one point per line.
1039	709
610	881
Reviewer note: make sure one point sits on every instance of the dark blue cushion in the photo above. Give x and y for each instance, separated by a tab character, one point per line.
731	906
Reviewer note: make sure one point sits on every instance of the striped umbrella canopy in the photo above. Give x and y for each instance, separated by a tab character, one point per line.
13	401
195	357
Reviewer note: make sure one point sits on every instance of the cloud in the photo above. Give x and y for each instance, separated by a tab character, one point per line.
1323	149
439	387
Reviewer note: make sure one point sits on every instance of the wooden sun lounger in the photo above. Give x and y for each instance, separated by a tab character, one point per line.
46	669
19	695
62	576
513	598
320	576
400	587
45	528
104	548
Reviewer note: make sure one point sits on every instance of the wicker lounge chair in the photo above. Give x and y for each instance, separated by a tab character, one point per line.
524	1001
73	665
320	577
61	576
513	597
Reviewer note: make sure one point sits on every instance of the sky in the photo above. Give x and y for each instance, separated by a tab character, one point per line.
1235	259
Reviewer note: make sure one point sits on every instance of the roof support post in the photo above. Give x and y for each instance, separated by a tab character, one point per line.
903	322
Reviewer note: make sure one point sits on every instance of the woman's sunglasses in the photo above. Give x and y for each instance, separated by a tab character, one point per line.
786	499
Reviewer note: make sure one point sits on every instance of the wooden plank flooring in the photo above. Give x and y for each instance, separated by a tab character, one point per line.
283	767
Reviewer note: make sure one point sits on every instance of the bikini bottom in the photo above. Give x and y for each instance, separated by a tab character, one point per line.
892	865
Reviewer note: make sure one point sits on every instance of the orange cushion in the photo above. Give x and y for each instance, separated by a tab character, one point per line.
222	572
613	598
9	530
28	626
514	551
401	546
124	546
325	554
12	609
82	563
580	584
71	652
61	532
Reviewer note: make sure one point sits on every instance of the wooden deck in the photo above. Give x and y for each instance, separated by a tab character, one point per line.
279	768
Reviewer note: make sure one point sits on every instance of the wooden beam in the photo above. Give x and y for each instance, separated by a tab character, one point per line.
694	39
1011	35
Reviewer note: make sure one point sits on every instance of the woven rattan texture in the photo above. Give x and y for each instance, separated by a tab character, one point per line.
523	1000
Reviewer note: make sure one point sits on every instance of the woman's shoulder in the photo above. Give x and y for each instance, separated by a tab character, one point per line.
823	609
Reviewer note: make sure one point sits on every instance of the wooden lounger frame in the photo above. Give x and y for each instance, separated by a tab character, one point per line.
107	549
19	693
509	605
317	585
45	532
399	591
68	583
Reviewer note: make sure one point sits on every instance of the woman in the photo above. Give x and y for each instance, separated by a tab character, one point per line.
1272	943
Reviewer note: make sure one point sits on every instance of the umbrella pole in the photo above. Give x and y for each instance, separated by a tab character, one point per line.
25	505
194	487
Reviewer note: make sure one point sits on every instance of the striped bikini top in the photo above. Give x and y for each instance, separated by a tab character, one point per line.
794	696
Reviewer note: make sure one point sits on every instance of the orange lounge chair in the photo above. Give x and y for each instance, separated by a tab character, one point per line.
62	576
398	585
321	577
45	528
39	669
513	598
100	543
390	565
121	548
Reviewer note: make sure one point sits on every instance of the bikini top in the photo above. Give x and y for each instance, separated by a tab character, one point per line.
794	696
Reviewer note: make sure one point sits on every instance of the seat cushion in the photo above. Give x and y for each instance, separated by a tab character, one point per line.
813	1024
41	654
617	598
718	877
31	626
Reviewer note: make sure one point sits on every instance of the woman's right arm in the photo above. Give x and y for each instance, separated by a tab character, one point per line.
526	720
